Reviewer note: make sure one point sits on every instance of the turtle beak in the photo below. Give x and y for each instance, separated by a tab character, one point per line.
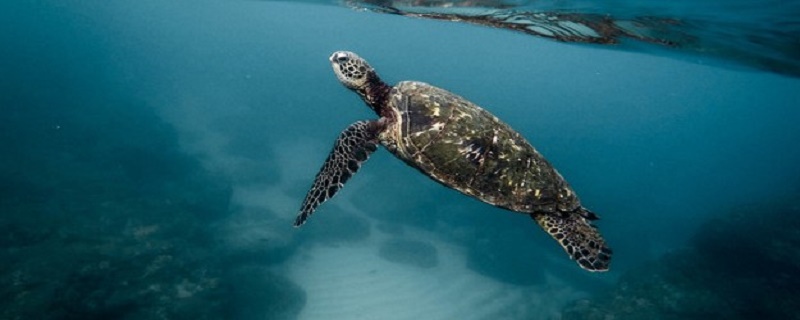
338	57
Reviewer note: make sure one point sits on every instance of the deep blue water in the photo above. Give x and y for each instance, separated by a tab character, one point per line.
155	154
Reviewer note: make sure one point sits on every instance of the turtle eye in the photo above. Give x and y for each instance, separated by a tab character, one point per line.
341	58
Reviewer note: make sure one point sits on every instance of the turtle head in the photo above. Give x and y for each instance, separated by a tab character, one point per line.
353	71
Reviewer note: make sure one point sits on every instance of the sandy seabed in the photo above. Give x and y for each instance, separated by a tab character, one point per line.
351	281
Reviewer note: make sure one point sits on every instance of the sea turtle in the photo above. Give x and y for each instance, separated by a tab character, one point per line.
461	146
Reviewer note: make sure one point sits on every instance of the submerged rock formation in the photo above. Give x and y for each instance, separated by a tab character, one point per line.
409	252
105	218
743	265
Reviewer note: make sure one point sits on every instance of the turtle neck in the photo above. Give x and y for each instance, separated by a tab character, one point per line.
375	93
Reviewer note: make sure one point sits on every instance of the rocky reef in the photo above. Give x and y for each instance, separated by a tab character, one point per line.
105	218
742	265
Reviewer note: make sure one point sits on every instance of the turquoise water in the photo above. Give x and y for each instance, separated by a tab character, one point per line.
155	155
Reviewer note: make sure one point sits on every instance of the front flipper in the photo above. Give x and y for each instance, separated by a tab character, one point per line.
353	147
578	236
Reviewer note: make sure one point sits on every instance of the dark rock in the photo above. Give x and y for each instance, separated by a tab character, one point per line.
409	252
502	255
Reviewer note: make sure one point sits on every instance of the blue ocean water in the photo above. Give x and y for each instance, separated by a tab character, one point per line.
155	155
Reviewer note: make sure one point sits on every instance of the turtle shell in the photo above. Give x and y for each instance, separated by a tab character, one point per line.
463	146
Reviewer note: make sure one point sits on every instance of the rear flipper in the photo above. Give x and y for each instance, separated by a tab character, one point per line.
352	148
578	236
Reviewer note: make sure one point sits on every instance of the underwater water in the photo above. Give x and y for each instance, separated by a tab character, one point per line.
155	154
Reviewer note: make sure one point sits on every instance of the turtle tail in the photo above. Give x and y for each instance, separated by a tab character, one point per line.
582	241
